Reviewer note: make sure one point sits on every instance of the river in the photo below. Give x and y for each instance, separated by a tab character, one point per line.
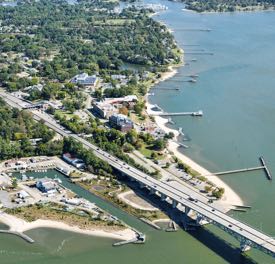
235	89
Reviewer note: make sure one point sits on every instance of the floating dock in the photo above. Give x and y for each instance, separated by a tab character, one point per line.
267	172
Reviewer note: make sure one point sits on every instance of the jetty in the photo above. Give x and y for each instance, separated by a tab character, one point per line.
170	121
150	223
172	227
139	239
19	234
198	113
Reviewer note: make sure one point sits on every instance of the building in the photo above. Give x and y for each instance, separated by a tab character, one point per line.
121	122
78	163
85	80
104	110
47	185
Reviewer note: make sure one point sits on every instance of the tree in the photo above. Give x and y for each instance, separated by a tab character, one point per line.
159	144
14	183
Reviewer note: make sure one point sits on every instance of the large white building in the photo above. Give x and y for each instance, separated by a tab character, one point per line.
85	80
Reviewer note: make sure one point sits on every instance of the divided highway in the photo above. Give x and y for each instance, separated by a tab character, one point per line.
185	195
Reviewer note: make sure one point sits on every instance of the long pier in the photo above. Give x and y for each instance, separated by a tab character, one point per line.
239	170
167	89
263	167
198	113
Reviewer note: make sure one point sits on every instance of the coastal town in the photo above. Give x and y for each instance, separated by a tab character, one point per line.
95	106
79	133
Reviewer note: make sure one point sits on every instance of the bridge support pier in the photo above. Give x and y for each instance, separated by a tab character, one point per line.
187	210
245	246
163	197
199	219
174	204
141	185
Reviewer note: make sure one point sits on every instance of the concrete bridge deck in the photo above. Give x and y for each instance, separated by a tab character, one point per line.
247	235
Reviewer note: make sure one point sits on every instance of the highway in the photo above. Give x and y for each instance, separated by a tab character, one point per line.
184	195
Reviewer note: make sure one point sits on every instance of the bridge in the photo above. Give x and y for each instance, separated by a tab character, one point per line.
185	197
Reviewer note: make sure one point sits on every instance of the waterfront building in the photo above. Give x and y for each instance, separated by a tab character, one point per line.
46	185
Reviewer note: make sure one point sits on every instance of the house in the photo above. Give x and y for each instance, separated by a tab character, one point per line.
121	122
85	80
47	185
78	163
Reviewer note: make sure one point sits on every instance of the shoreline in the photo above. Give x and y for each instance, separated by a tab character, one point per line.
19	225
230	197
229	12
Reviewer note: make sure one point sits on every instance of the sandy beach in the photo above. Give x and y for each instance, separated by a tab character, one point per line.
135	201
20	225
230	197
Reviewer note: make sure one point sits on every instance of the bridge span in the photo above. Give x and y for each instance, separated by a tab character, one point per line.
187	197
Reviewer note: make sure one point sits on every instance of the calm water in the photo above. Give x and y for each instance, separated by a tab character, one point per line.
235	90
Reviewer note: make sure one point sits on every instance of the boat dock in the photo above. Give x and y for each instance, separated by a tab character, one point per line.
239	170
22	235
267	172
263	167
168	89
198	113
198	53
193	29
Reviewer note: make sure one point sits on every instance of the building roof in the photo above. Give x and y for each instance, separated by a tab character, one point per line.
84	79
121	120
